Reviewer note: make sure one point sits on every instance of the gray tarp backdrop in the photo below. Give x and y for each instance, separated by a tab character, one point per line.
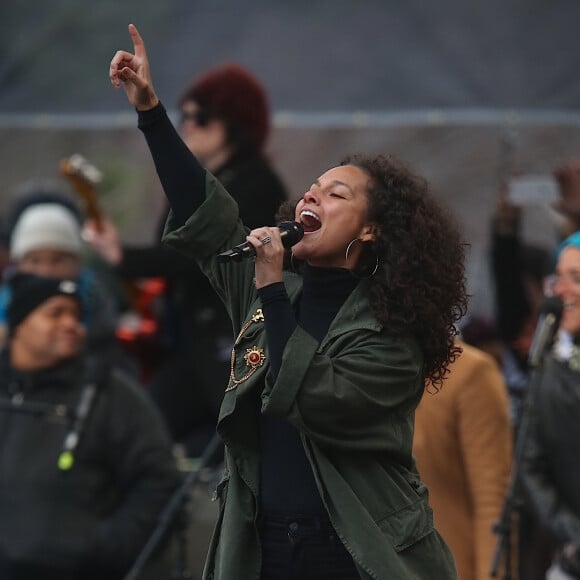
439	84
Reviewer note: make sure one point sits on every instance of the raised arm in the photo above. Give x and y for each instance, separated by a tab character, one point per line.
181	175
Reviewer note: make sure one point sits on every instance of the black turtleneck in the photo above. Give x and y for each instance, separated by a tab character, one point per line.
287	481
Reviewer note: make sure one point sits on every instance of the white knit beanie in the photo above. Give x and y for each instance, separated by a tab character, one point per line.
45	226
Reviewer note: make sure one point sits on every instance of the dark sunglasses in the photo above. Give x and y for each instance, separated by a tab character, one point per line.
200	117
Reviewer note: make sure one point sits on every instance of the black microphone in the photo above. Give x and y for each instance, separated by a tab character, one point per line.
290	232
548	322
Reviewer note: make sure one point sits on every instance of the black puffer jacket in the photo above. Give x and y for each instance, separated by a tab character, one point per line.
93	519
551	467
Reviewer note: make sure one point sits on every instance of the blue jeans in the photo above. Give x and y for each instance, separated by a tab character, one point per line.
303	548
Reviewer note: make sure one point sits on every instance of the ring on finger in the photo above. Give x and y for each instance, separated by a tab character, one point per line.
266	240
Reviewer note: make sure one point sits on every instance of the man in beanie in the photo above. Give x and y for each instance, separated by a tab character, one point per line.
47	238
225	122
44	232
85	464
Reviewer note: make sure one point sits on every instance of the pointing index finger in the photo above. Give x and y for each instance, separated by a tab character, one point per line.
138	44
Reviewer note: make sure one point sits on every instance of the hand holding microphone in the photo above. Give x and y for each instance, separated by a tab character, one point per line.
267	246
290	233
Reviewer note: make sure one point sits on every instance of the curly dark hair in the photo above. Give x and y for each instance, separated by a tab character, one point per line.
419	287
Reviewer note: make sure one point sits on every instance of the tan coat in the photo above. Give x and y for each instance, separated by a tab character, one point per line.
463	448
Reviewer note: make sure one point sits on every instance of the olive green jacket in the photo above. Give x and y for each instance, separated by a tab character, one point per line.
352	397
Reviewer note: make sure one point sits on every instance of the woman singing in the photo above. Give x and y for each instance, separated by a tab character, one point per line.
329	362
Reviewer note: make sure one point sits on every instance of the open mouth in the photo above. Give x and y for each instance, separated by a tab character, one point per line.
310	221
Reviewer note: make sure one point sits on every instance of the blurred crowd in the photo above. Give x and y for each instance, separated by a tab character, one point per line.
115	360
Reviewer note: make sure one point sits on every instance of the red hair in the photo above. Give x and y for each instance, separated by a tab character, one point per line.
232	93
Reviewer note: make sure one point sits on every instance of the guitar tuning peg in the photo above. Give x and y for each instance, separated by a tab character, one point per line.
87	170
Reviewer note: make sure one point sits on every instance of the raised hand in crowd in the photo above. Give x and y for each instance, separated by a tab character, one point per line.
131	71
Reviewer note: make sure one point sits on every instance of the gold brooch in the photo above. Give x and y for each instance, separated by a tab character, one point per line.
254	356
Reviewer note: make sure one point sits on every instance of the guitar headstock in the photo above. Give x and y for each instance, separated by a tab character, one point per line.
84	178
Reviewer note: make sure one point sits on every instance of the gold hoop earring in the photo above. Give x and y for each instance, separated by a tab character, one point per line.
353	271
375	268
349	247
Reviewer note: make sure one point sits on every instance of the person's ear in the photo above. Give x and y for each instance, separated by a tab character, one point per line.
369	233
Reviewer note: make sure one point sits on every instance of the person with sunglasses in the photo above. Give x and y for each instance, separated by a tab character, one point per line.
225	123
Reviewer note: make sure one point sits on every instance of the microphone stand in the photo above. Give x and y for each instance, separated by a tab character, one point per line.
168	515
503	528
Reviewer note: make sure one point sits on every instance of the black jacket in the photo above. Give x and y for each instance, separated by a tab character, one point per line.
94	518
550	472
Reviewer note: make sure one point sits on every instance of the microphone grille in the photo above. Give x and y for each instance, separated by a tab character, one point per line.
292	232
553	305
